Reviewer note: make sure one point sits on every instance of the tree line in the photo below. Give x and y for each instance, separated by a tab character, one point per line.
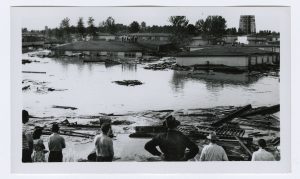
180	27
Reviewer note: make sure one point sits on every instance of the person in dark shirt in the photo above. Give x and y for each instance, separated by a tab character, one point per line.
172	144
27	142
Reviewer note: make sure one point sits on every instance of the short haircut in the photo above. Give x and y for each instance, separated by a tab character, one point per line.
55	127
37	133
105	128
262	143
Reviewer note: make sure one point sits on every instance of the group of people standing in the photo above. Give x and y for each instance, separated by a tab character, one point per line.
33	148
172	145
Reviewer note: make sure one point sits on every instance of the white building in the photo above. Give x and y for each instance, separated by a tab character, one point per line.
239	57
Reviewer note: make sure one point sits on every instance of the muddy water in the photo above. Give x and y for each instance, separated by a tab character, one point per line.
89	87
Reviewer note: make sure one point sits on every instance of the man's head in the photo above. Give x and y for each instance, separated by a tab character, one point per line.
105	128
212	137
170	122
262	143
37	132
25	116
55	127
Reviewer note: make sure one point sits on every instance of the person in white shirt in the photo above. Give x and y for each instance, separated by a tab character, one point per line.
212	151
104	145
261	154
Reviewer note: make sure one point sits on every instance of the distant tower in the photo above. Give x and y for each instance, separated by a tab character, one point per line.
46	31
247	24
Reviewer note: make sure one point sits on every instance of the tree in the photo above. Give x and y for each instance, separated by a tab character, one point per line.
80	27
143	26
92	30
179	23
134	27
110	25
231	31
65	28
180	35
24	30
213	25
200	26
191	29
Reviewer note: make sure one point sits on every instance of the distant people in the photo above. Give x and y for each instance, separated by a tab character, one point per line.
262	154
104	145
38	146
212	151
56	145
27	142
172	144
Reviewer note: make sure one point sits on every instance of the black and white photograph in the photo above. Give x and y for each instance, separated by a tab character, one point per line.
150	84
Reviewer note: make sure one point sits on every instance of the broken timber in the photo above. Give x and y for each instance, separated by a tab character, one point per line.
33	72
243	145
231	116
64	107
263	110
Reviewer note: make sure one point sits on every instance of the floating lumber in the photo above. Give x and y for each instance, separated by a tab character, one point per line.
222	131
243	145
69	133
263	110
65	107
232	115
81	125
261	126
128	82
155	129
33	72
26	87
166	110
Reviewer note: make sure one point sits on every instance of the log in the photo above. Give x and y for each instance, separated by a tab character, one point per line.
64	107
243	145
33	72
262	111
232	115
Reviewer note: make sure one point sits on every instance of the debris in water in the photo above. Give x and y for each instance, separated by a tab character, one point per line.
129	82
64	107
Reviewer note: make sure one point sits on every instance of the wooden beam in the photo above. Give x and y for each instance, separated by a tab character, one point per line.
265	110
232	115
243	145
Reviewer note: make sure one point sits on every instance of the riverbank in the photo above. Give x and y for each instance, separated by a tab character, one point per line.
194	123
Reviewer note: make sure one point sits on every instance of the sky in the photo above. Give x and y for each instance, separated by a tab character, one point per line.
36	18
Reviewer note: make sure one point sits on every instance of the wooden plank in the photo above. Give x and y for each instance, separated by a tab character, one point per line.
34	72
232	115
265	110
243	145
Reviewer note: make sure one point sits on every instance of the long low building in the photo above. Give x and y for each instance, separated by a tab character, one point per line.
112	49
240	57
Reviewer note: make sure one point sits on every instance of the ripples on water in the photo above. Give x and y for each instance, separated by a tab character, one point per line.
90	88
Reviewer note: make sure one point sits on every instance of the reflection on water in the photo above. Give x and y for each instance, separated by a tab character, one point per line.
214	81
129	67
90	88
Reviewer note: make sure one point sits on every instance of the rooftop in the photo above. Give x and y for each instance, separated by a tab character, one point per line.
152	34
224	51
104	34
109	46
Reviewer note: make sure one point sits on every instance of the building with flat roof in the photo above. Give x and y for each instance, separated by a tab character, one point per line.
239	57
247	24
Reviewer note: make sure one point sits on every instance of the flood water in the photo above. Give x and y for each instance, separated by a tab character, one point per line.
90	88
